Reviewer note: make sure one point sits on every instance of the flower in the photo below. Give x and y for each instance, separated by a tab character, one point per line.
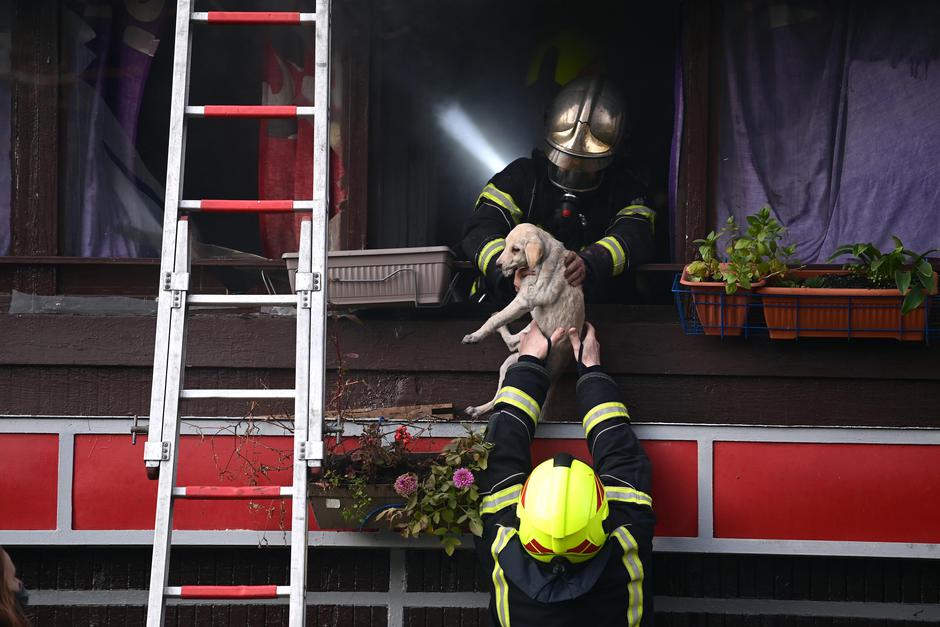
406	484
463	478
402	435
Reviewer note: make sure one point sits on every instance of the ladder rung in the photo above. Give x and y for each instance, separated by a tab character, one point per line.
227	592
242	299
233	393
233	492
249	111
252	17
250	206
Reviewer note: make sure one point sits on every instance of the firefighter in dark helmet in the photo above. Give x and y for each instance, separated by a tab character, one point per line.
565	544
579	189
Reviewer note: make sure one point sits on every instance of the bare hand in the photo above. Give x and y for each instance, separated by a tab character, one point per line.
521	273
575	270
534	342
591	356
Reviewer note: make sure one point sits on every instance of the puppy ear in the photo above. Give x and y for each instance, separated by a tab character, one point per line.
533	252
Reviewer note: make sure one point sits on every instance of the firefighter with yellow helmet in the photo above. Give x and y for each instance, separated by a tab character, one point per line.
579	187
565	543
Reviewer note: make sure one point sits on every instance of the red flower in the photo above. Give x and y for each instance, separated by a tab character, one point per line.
402	435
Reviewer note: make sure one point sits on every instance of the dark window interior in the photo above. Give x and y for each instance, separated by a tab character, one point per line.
492	63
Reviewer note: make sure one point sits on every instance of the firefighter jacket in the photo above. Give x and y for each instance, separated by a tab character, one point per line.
615	586
611	227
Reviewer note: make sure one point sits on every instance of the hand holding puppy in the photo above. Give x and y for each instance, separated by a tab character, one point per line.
591	355
535	343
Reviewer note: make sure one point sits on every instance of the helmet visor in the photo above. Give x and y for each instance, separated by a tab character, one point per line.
574	180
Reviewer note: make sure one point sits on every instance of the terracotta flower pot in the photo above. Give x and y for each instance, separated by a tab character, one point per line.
792	312
720	313
328	505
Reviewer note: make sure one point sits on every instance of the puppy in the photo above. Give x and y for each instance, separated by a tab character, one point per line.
545	294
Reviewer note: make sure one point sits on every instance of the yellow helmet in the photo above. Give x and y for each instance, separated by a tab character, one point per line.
562	511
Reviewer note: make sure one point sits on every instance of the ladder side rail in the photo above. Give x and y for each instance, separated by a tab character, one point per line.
176	154
302	373
163	521
320	223
311	325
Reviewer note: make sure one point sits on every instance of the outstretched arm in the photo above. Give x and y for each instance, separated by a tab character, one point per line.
512	427
619	459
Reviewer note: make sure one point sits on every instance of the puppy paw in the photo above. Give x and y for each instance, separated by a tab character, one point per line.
472	412
472	338
513	345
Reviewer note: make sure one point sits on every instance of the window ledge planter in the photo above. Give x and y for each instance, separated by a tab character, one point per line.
329	503
792	312
720	313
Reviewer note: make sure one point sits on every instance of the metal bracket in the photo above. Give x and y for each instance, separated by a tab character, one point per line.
307	281
176	281
178	284
156	451
138	429
311	451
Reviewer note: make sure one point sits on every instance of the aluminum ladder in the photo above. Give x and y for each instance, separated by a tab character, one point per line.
160	451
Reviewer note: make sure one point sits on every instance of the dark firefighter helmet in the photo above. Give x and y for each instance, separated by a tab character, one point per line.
583	127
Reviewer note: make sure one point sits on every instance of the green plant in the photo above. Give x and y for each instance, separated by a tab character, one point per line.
751	256
900	267
443	501
376	458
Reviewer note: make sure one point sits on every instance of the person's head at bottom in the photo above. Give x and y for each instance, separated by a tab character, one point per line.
561	512
10	588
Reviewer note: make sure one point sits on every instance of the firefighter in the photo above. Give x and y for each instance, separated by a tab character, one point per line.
578	188
565	544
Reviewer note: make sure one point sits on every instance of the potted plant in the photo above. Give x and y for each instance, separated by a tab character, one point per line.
443	501
358	482
722	290
381	482
881	294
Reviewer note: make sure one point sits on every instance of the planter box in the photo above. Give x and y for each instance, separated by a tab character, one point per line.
720	313
328	505
420	276
792	312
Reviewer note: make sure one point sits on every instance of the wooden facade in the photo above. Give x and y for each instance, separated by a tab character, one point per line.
100	365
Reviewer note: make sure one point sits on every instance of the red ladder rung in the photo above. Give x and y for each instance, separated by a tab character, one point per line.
250	111
255	17
228	592
231	492
247	206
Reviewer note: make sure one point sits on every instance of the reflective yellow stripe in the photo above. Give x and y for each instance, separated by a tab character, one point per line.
640	210
617	256
492	503
602	412
500	587
631	561
502	199
517	398
490	250
628	495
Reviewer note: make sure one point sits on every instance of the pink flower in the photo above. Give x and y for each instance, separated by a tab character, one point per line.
406	484
463	478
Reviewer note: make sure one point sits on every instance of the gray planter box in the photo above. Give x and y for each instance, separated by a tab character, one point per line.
419	276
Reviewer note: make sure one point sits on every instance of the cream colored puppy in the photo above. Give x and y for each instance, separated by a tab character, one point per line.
546	294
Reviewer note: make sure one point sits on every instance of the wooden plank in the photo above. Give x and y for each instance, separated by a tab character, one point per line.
636	341
691	218
713	400
34	141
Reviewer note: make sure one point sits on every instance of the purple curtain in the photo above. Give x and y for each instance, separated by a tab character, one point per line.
112	205
830	113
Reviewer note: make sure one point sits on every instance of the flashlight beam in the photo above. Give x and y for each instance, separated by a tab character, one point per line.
455	122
